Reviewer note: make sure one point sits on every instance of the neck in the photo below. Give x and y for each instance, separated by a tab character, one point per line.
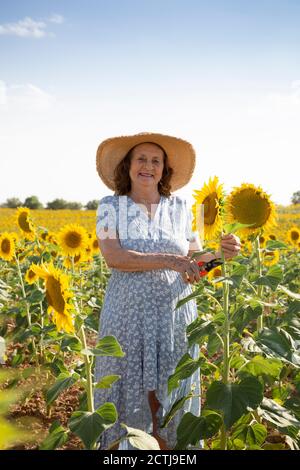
149	195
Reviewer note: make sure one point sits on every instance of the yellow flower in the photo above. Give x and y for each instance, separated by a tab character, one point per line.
293	236
262	241
25	223
270	257
248	204
78	259
211	196
213	274
7	246
247	247
73	239
44	235
95	245
31	276
58	295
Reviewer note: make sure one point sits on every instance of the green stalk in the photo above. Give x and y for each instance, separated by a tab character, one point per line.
226	323
42	335
260	320
23	292
226	343
88	361
88	368
28	314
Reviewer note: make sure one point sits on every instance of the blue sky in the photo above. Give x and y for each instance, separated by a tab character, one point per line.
223	74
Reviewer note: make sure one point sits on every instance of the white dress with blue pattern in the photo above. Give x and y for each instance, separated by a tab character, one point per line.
139	310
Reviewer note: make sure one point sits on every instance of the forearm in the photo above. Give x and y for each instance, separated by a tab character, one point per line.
206	257
130	260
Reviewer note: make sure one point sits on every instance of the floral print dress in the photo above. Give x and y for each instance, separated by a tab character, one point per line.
139	310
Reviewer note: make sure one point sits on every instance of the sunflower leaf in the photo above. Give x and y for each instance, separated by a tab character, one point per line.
89	426
107	381
193	428
234	227
288	292
272	278
107	346
275	245
234	399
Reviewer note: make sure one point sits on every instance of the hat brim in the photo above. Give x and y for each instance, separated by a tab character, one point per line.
181	156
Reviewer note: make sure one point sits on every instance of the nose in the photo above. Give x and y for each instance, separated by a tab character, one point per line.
148	165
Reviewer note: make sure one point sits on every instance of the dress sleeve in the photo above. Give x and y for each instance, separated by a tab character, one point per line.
106	218
191	235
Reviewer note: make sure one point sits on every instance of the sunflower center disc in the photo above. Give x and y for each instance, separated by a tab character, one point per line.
73	239
54	295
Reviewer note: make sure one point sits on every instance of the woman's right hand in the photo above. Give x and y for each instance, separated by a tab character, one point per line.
187	267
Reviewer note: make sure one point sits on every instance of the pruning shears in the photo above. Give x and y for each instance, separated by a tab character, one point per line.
206	267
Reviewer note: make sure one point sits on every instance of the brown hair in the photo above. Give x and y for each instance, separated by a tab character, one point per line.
122	178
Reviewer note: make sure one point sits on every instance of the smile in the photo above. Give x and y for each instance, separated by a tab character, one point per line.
146	175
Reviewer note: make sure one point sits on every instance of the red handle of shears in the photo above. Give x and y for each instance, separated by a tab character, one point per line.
202	272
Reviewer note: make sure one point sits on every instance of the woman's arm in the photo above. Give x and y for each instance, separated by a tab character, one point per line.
129	260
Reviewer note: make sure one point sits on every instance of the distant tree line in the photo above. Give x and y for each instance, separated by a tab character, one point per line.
32	202
296	198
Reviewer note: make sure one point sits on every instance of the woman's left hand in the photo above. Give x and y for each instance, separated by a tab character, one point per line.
230	245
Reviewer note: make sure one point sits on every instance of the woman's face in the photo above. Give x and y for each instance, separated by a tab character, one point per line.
147	165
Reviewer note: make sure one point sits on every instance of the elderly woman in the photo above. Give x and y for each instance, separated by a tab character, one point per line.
145	235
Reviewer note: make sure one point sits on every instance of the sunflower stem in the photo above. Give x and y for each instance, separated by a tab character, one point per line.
223	438
260	319
226	343
42	325
23	292
88	369
28	314
226	323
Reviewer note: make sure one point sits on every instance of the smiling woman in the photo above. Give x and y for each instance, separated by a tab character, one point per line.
151	270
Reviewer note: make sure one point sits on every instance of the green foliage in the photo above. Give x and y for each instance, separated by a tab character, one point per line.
89	426
32	202
233	400
92	205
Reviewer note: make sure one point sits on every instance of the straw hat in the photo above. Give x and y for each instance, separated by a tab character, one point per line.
181	156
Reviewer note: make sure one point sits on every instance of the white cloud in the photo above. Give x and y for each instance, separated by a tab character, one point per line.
28	27
55	18
24	28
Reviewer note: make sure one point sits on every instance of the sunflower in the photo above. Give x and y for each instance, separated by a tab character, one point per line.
262	241
78	259
293	236
271	236
247	248
44	235
25	223
7	246
58	295
51	238
31	276
94	244
211	198
248	204
270	257
73	239
213	274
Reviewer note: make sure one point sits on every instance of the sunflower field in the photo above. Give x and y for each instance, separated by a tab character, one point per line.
53	281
